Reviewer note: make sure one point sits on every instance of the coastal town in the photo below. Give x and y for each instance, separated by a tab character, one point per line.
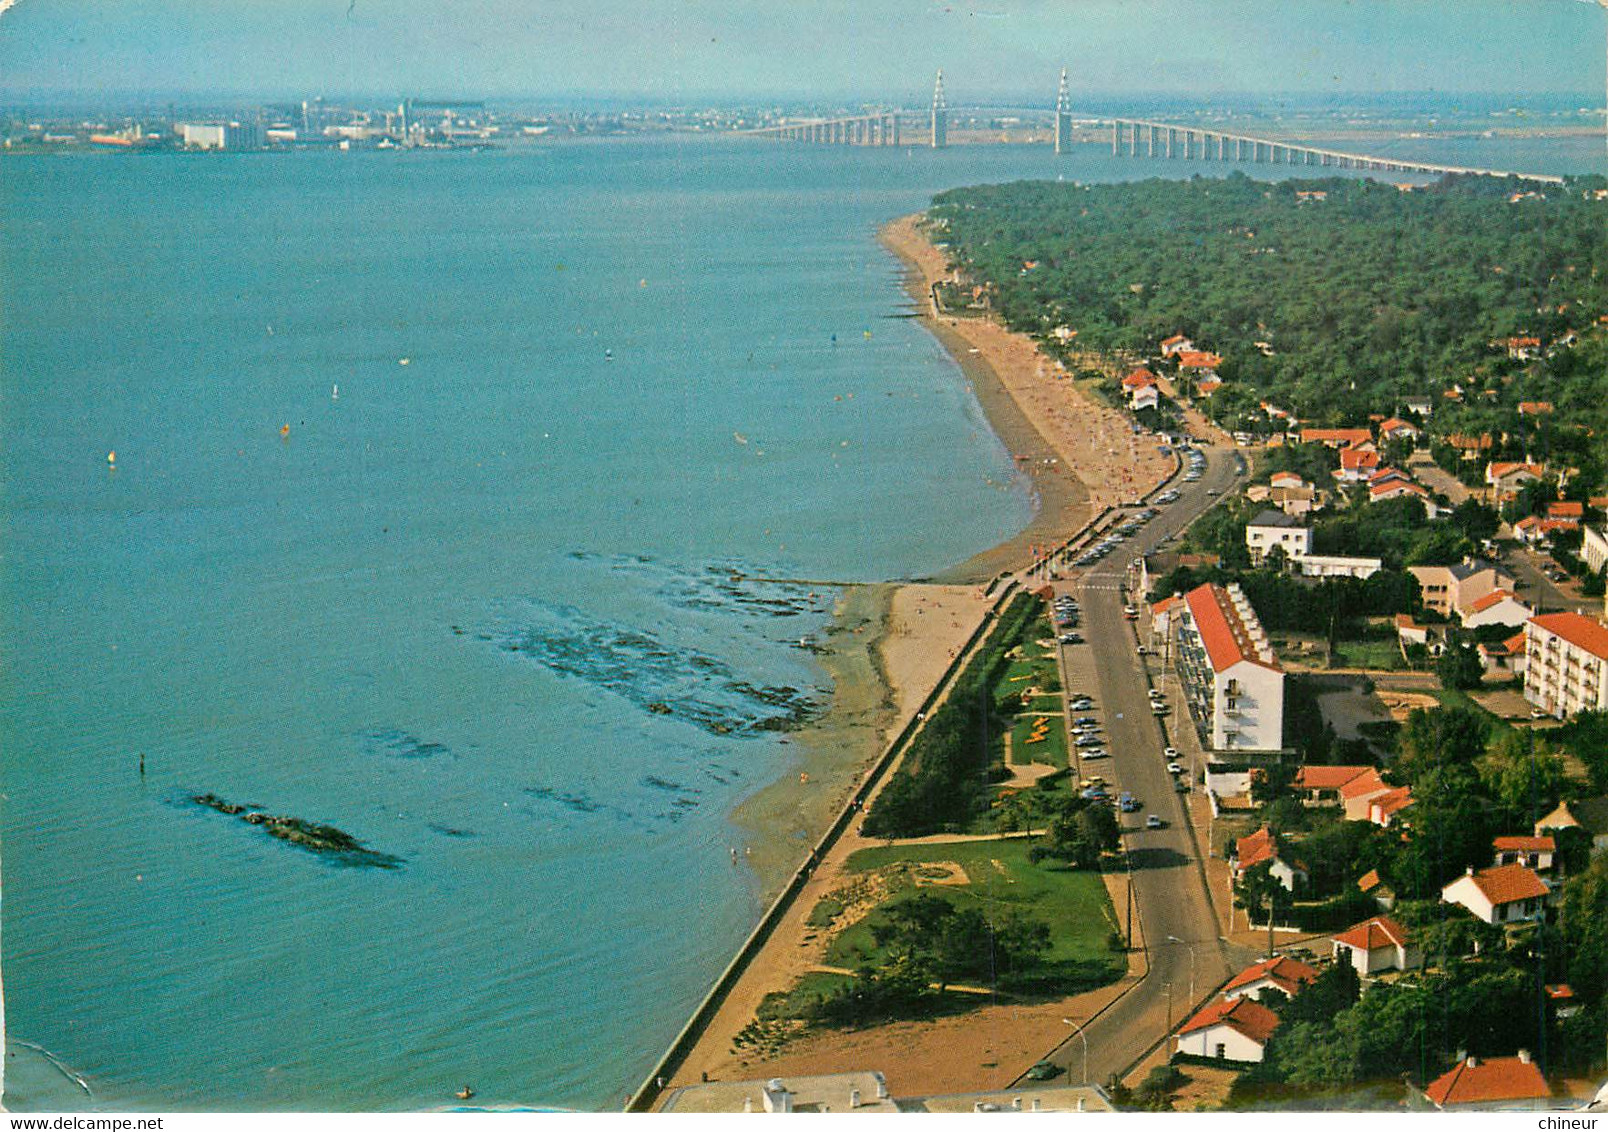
1320	706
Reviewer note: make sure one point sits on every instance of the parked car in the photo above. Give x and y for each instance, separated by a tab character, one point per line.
1128	803
1170	754
1093	753
1043	1071
1154	821
1174	768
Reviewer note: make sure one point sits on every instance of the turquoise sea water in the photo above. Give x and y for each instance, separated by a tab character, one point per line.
475	609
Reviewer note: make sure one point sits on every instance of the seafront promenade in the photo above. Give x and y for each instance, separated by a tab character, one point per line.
1067	437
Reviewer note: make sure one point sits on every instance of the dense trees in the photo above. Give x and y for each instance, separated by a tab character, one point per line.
1365	296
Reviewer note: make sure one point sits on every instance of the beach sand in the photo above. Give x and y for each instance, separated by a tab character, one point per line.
888	648
1080	455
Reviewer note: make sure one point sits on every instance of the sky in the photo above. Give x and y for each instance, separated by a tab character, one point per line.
676	50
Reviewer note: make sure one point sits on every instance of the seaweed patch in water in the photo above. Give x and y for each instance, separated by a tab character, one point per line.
656	676
398	744
451	831
314	837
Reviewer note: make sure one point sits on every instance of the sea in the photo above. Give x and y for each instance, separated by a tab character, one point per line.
476	505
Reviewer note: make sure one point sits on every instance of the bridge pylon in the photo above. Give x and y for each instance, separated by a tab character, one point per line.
940	115
1063	117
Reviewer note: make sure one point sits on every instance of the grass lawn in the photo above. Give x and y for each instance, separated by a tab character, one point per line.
1073	903
1380	655
1051	749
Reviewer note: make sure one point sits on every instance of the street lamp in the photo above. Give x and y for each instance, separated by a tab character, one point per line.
1175	939
1079	1030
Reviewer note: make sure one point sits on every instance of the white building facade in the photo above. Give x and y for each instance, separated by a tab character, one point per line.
1566	663
1230	673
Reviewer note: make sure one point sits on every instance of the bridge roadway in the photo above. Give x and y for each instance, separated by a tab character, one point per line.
1168	878
1165	139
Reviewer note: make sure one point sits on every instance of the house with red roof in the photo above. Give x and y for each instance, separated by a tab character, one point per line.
1503	656
1141	390
1280	973
1504	478
1388	483
1566	509
1499	607
1162	614
1523	347
1502	894
1533	852
1357	465
1490	1084
1449	590
1534	408
1262	847
1379	944
1336	437
1358	794
1397	429
1533	529
1230	671
1206	386
1321	785
1177	344
1383	809
1198	363
1566	663
1229	1029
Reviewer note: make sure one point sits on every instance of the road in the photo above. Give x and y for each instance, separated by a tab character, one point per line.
1187	956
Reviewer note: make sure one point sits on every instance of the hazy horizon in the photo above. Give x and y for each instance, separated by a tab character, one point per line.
708	51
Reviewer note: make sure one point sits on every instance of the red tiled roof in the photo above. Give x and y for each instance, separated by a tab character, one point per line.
1174	340
1566	509
1245	1015
1285	973
1394	487
1576	628
1198	359
1395	423
1370	880
1499	468
1167	604
1369	782
1534	408
1356	458
1220	628
1506	884
1255	849
1524	340
1139	378
1370	935
1327	777
1524	844
1494	598
1335	435
1476	1081
1393	802
1559	991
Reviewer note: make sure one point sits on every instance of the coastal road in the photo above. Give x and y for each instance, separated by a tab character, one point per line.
1180	929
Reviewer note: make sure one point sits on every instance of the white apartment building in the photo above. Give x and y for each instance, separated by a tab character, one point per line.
1230	673
1566	663
1275	528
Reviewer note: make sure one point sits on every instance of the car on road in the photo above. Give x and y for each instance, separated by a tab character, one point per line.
1153	821
1213	491
1174	768
1043	1071
1130	613
1128	803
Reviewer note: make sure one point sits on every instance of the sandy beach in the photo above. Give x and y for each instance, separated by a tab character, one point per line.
889	647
